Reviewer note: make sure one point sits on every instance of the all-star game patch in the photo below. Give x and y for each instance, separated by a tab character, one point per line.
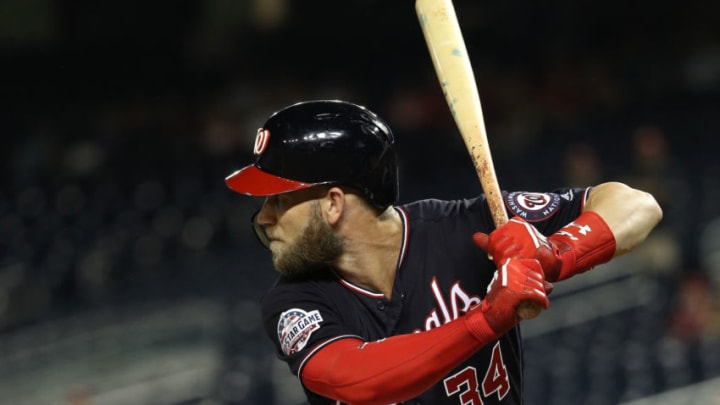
295	327
532	207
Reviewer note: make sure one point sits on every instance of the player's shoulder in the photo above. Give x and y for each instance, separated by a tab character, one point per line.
321	287
319	281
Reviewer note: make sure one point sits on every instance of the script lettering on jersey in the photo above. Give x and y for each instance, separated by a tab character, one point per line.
465	384
459	302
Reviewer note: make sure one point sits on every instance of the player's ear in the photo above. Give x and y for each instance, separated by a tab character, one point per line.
334	204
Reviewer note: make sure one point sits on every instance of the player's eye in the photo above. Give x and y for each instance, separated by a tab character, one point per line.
285	201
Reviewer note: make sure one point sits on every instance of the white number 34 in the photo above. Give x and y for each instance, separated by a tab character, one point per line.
466	384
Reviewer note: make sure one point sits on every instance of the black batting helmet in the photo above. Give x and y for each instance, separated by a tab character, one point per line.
322	142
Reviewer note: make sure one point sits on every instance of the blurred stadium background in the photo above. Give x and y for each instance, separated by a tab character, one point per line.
129	274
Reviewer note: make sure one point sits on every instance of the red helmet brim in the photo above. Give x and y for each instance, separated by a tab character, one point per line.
254	182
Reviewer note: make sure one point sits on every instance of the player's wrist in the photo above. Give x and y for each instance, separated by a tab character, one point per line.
477	324
582	244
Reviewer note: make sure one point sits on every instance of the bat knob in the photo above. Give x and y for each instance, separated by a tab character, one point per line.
528	310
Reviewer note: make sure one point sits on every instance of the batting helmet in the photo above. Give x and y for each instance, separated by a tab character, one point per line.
322	142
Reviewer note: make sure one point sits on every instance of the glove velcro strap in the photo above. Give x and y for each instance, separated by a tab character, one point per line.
583	244
477	325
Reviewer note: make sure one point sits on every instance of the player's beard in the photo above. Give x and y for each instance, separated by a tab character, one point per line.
313	251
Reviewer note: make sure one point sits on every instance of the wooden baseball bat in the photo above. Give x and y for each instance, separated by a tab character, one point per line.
452	64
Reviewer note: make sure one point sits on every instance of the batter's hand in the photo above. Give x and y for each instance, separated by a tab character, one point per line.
582	244
515	281
517	238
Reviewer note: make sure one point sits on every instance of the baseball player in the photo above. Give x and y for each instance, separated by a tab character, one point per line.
379	303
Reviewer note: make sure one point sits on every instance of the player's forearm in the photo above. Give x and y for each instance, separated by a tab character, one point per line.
629	213
393	369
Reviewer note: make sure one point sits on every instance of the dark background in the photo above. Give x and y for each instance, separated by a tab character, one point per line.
129	274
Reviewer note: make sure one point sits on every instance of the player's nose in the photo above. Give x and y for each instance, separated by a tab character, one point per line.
266	215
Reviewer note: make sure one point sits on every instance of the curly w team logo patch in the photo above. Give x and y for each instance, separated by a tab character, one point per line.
532	206
295	327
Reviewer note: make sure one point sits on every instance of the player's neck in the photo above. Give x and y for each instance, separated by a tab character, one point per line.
371	253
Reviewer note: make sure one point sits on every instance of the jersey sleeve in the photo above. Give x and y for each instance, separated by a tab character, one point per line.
299	320
547	211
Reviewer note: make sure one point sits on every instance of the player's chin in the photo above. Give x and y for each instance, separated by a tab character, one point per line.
277	258
277	247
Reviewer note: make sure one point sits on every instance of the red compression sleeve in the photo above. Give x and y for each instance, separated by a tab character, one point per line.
397	368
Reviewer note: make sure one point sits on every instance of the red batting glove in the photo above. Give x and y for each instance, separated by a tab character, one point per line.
577	247
516	280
